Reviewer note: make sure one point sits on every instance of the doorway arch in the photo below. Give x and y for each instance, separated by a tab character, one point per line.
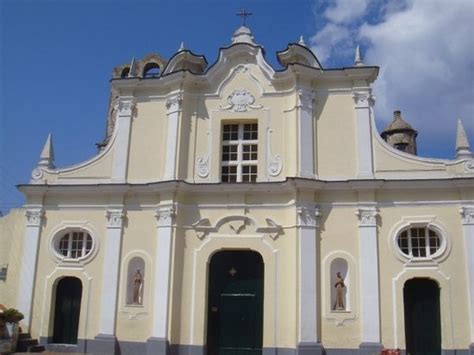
422	316
235	303
67	310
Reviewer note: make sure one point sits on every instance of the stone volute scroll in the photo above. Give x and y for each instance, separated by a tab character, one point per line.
202	162
274	162
363	98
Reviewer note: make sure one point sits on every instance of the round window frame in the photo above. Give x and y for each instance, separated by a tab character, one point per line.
60	232
408	223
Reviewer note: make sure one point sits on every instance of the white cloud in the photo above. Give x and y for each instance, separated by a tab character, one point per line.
426	55
344	11
425	50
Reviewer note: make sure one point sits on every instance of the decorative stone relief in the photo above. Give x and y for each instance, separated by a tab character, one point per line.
165	215
173	103
203	227
240	100
305	98
273	230
469	166
467	214
202	163
37	174
274	162
115	218
308	216
367	216
363	98
34	217
125	106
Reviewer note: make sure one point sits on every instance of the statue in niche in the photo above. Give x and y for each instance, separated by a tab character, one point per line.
339	285
137	288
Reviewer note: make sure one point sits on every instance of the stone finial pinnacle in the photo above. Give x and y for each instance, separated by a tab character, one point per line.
463	148
47	154
358	57
301	41
181	47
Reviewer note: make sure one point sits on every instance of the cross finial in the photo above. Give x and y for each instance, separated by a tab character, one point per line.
243	13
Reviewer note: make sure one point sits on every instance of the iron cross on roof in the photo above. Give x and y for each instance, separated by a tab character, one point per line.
243	13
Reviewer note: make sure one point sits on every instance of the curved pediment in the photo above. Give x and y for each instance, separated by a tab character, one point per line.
296	53
186	60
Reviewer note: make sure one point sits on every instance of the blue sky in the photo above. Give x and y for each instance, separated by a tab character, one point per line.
57	56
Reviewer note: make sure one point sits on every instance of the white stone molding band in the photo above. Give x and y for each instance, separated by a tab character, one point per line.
308	228
304	114
111	268
369	275
164	234
363	101
125	110
173	106
467	214
34	219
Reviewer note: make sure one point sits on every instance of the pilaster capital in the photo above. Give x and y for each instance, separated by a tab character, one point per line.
363	99
115	218
165	215
308	216
173	103
467	215
305	98
34	217
367	216
125	106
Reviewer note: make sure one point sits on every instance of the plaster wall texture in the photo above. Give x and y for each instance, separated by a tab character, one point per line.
12	230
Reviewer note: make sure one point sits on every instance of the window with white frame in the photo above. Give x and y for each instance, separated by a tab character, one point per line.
419	242
239	152
74	244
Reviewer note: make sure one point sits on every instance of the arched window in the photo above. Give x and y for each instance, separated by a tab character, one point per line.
125	72
419	242
135	281
151	70
74	244
339	285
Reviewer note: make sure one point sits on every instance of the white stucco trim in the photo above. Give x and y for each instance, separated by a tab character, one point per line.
209	247
467	213
369	276
111	268
34	220
48	308
69	226
446	304
420	221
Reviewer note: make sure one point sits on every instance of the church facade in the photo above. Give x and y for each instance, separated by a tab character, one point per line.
236	208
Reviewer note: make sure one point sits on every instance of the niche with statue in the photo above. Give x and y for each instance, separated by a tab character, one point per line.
135	281
339	275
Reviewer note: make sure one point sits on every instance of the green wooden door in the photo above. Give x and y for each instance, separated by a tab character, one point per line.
235	307
422	317
67	310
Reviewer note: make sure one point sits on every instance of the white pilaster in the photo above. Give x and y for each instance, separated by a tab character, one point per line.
34	219
111	269
304	112
363	101
307	227
173	105
125	110
369	275
164	233
467	213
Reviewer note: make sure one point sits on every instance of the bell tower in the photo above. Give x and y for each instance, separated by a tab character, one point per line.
400	134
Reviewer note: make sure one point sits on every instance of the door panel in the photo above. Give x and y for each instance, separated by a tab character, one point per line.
67	310
422	317
235	317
